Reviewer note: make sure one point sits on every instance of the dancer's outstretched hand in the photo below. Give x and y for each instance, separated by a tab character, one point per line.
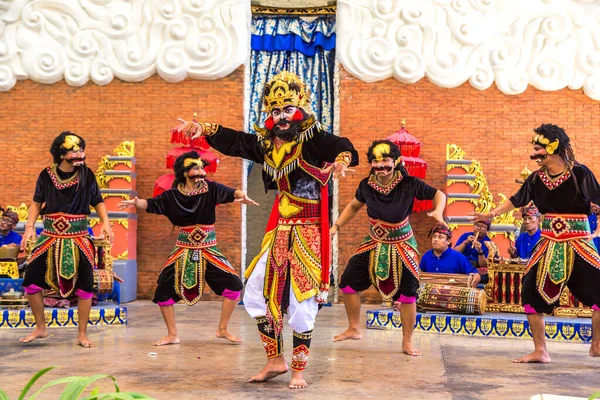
338	169
480	217
246	200
334	230
191	129
128	203
28	235
437	215
107	233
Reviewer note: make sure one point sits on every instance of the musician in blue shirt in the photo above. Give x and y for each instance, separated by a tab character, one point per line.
593	219
8	222
528	239
443	259
472	244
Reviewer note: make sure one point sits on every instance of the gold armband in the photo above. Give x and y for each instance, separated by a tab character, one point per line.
209	128
345	158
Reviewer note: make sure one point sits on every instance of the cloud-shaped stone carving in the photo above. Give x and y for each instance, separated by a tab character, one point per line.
549	44
98	40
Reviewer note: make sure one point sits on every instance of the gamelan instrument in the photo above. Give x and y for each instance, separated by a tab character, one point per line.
454	299
461	280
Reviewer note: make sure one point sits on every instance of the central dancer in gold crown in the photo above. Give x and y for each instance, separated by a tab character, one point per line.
292	270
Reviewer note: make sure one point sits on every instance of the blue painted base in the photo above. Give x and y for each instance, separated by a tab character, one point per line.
502	325
102	314
126	270
6	284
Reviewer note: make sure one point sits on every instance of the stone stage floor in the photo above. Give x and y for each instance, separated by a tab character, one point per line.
452	367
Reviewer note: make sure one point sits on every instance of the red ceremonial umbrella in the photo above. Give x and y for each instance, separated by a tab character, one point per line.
409	145
410	148
415	166
205	155
162	184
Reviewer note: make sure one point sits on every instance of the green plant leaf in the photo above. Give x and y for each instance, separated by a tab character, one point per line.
116	396
594	396
32	381
3	395
95	391
74	390
55	382
124	396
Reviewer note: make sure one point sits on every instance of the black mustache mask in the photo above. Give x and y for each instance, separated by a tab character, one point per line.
539	157
192	177
386	169
75	159
287	134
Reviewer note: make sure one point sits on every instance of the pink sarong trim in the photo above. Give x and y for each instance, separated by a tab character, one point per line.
529	309
169	302
231	295
406	299
348	290
82	294
32	289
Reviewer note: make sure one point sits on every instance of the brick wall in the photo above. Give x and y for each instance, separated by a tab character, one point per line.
32	114
489	126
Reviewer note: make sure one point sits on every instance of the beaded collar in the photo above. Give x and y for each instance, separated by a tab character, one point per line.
202	189
385	189
61	183
553	183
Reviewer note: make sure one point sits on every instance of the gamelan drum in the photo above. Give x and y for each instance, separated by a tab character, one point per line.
455	299
444	279
103	281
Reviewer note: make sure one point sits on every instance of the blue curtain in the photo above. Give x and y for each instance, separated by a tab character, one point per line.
293	44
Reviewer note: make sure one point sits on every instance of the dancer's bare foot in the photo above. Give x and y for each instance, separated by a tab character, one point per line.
169	339
595	350
408	348
535	357
83	341
36	334
298	381
275	366
225	334
349	333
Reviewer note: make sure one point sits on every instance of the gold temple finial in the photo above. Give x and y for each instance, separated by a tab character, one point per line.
524	174
403	122
195	115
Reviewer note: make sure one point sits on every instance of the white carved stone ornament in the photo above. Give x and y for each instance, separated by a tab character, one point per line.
98	40
549	44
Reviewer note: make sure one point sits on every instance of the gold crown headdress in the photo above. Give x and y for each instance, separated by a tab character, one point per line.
285	89
544	141
71	143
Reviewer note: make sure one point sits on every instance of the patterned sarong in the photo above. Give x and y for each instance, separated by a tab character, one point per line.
195	246
563	235
390	246
64	235
295	248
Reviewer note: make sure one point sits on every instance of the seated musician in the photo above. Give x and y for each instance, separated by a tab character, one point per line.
443	259
593	219
472	245
531	233
7	235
